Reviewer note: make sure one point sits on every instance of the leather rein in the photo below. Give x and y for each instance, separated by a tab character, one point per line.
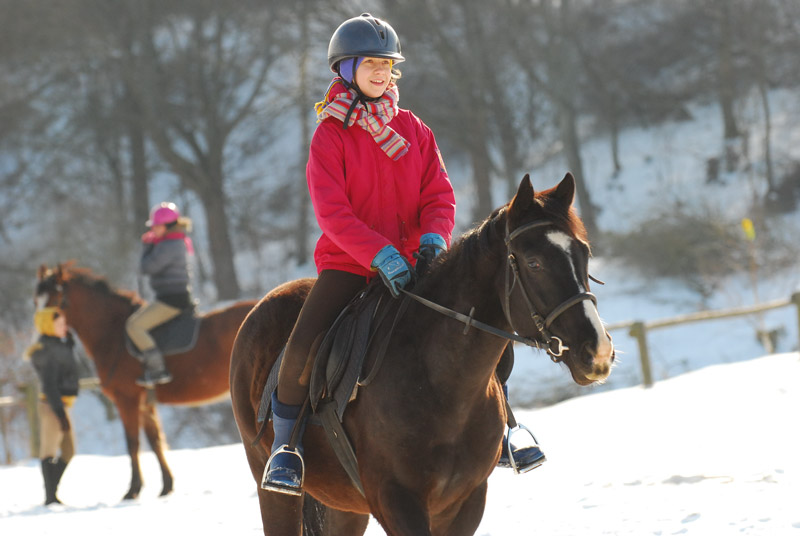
552	344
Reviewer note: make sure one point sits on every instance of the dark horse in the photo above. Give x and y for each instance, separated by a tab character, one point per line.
427	431
97	313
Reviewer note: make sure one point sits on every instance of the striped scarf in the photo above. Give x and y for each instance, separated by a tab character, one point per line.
372	116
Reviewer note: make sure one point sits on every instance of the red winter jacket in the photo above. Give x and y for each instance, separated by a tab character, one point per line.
364	200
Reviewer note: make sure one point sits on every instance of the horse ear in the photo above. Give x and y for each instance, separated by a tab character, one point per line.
524	198
40	273
565	191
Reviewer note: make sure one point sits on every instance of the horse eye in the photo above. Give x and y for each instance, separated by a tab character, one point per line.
535	265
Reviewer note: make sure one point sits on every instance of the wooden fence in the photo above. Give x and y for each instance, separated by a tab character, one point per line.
638	329
29	397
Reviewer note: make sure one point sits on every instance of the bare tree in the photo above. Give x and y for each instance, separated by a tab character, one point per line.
197	74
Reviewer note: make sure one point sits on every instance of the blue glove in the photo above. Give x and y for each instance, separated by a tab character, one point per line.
430	246
394	269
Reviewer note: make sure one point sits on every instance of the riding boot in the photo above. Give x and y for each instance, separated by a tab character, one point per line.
520	451
51	472
155	371
285	467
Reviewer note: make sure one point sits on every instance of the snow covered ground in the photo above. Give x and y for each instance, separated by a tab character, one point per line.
709	452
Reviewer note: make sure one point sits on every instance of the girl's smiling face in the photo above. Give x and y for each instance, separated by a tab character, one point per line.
373	76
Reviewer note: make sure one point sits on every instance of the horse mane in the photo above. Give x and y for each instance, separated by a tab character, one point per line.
477	242
99	284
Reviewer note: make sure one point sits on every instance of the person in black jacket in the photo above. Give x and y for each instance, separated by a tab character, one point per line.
53	358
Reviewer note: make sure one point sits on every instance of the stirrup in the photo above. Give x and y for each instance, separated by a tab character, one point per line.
284	479
512	461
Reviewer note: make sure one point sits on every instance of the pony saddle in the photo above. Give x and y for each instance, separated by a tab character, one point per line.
340	358
174	336
337	370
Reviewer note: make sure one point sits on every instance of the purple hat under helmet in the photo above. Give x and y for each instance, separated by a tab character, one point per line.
348	68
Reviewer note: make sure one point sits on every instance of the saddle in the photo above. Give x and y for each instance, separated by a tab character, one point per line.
338	367
174	336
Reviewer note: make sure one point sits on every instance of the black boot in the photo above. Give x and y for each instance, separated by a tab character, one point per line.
523	454
520	456
285	467
155	371
52	469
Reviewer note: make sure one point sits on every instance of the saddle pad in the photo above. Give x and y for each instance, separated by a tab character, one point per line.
174	336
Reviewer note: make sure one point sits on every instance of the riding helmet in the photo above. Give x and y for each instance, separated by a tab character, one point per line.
363	36
163	214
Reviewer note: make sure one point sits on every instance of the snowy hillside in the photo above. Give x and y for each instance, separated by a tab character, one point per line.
711	452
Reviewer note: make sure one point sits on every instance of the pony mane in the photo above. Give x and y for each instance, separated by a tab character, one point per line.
478	241
99	284
466	250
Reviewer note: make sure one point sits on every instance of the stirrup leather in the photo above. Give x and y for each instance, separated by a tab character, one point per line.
512	461
284	487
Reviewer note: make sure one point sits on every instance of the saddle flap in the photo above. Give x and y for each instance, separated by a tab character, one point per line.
341	354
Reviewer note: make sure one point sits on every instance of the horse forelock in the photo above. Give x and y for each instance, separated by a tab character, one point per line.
566	220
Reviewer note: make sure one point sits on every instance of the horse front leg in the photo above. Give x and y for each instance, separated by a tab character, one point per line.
128	408
155	436
321	520
463	519
401	512
281	515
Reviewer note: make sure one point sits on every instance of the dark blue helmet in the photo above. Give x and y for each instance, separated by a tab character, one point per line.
363	36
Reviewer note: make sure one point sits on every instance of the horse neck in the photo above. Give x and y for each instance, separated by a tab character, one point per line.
465	361
97	317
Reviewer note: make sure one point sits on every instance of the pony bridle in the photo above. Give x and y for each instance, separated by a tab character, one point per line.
554	346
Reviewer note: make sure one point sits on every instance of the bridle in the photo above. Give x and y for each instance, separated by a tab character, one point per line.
554	346
58	289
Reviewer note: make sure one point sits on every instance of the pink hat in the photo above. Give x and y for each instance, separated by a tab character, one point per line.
162	214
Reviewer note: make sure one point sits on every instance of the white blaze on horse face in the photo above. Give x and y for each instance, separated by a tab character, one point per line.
41	301
604	346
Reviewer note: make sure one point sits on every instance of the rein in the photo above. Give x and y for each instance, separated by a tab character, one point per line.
554	346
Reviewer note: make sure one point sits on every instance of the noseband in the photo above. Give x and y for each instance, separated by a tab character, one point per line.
554	346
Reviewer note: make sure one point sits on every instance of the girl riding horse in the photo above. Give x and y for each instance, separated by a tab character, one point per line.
381	196
165	259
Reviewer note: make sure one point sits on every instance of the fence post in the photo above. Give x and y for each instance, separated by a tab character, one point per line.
639	331
30	390
796	301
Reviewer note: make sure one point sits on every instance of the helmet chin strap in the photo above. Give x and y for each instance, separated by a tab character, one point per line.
352	85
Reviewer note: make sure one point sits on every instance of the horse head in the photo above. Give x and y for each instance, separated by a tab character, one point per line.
547	295
50	287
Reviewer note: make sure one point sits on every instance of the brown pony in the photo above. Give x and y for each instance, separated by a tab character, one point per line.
427	430
97	313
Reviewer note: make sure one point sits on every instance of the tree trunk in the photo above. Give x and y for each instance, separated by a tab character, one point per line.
481	169
726	82
569	137
304	204
219	243
139	178
562	65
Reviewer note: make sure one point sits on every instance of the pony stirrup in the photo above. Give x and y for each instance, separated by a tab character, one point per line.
284	472
526	458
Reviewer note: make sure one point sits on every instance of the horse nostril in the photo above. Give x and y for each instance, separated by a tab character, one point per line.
587	353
